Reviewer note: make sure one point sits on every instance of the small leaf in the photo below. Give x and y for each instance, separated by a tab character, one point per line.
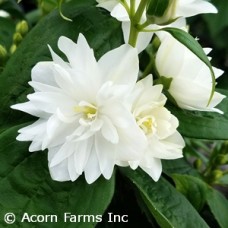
169	207
187	40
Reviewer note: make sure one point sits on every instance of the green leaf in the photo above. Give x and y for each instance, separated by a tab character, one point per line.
203	125
178	166
193	188
218	22
26	186
60	2
219	207
102	32
157	8
198	192
169	207
187	40
7	28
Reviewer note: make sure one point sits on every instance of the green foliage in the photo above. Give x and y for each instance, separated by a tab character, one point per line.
198	192
180	166
157	8
6	32
167	205
218	24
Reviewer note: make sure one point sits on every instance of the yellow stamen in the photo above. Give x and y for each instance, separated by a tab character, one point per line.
88	111
146	124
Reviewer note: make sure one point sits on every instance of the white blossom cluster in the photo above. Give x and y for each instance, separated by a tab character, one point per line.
96	114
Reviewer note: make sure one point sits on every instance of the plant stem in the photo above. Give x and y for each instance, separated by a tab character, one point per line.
132	7
140	10
135	18
143	25
133	35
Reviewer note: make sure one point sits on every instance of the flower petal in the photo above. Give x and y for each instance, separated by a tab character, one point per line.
188	8
28	107
92	169
120	65
109	131
153	168
106	155
60	171
43	73
120	13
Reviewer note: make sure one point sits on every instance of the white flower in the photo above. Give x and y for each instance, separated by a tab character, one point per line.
82	105
183	8
158	125
191	78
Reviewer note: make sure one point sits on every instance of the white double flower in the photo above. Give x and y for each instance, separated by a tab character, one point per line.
93	115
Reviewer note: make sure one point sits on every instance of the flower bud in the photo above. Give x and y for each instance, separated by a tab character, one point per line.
3	53
22	27
222	159
198	163
161	12
17	38
13	48
216	174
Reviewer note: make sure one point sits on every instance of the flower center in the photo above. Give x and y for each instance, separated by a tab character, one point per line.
147	124
88	110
